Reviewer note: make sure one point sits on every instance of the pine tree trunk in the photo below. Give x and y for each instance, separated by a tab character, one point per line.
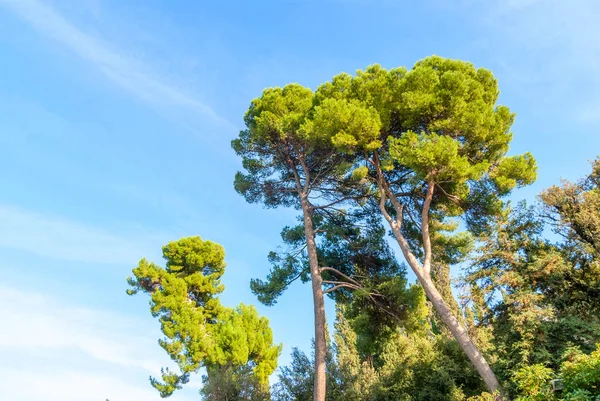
319	305
459	333
446	315
423	273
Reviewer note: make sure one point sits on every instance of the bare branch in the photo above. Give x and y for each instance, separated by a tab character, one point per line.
333	203
298	251
349	285
453	198
337	287
339	273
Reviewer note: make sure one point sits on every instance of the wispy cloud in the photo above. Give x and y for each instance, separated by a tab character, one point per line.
63	239
40	323
70	385
74	353
122	70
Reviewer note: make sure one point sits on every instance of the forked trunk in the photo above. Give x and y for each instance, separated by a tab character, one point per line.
423	273
319	305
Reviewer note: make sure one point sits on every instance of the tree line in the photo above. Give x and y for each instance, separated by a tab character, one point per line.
414	161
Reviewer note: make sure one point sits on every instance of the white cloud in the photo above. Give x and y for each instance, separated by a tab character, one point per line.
114	355
123	70
70	385
40	323
62	239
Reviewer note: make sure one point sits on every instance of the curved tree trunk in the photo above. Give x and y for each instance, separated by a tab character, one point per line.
319	304
445	313
423	273
459	333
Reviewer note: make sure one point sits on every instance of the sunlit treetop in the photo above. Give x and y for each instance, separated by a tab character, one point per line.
283	155
436	123
199	331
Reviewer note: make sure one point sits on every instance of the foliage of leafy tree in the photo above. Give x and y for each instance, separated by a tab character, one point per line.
579	374
296	381
506	269
573	211
421	368
538	297
533	383
199	331
407	362
233	383
357	373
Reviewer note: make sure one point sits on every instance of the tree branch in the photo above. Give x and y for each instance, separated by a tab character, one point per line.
382	192
395	202
296	277
295	172
349	285
425	227
306	175
337	287
453	198
333	203
336	271
396	225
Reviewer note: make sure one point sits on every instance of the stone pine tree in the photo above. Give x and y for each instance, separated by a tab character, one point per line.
289	164
198	331
433	149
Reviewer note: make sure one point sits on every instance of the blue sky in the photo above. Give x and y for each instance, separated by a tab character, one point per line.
115	123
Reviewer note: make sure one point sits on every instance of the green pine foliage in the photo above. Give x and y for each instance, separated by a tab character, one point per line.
424	150
199	331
